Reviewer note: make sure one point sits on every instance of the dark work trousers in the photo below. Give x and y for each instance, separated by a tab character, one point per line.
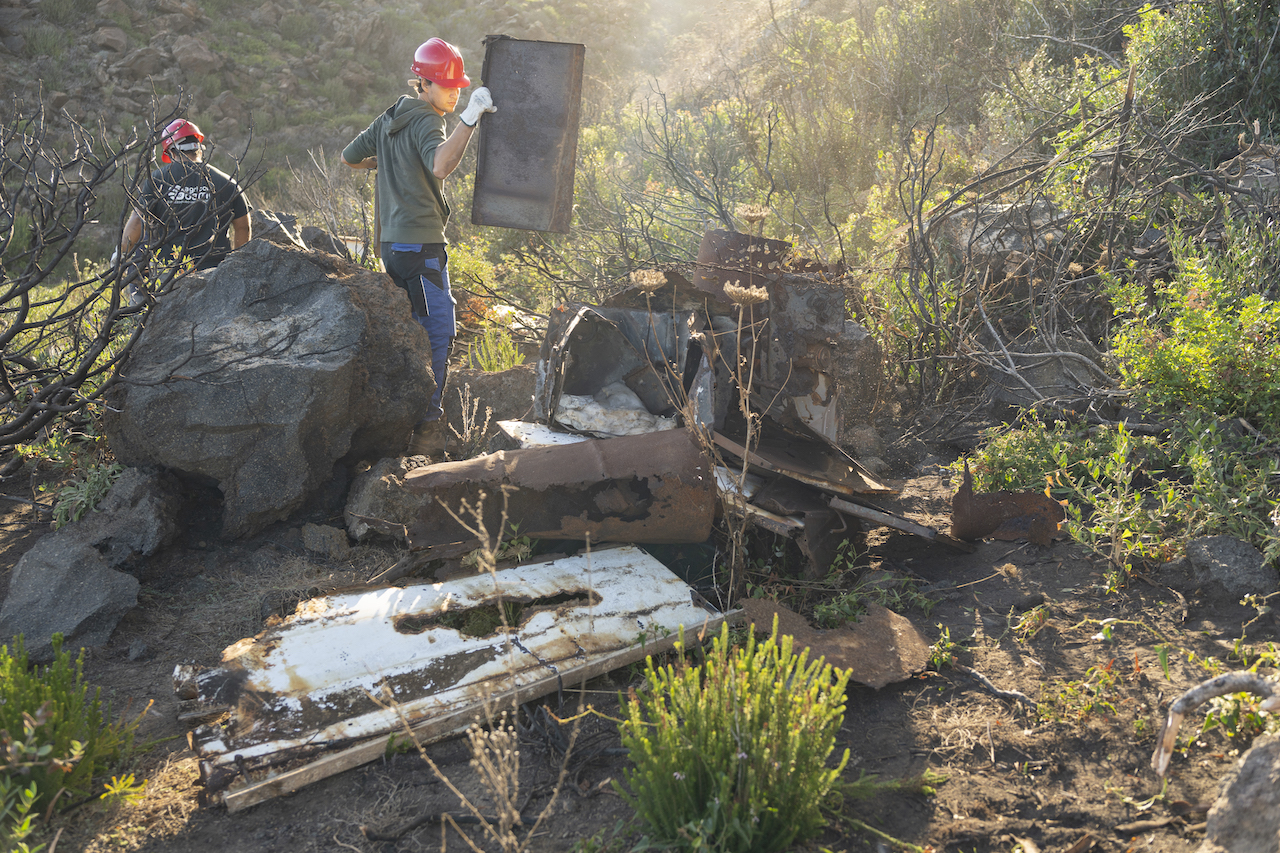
423	271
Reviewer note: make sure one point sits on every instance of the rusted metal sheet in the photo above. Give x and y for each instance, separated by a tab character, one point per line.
527	149
1033	516
728	257
348	668
651	488
812	462
587	349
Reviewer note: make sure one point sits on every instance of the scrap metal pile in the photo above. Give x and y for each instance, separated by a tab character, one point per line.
640	437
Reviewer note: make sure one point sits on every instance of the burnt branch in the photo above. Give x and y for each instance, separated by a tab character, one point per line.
67	326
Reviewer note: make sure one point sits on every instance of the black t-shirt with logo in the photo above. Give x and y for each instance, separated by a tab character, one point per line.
189	208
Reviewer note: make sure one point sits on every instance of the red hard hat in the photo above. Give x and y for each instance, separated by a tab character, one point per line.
441	63
176	136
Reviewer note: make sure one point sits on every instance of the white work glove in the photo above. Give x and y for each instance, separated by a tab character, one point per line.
115	259
481	102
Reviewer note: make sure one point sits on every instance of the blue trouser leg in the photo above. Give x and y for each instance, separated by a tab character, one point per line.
423	271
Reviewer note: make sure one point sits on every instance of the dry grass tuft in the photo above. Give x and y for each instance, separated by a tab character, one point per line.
163	812
239	603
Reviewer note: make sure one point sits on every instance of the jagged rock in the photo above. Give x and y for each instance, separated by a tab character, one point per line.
111	38
263	374
227	105
10	18
175	23
278	228
1246	816
68	582
267	15
318	238
140	63
379	502
137	518
1236	566
116	9
325	540
194	56
509	393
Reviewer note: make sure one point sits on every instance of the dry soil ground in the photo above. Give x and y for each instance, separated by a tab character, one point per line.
1072	773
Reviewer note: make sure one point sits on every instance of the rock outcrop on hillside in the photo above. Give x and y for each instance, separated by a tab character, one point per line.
282	66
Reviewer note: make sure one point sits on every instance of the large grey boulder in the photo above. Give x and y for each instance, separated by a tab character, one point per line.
69	581
1246	816
1234	565
265	373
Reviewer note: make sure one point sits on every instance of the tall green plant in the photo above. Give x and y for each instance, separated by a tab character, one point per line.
51	711
732	755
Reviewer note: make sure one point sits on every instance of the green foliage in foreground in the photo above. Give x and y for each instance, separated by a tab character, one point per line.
732	755
494	350
55	736
1199	350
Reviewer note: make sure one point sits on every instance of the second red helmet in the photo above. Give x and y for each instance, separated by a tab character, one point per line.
176	135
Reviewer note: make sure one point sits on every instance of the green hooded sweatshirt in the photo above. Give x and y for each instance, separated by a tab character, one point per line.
411	203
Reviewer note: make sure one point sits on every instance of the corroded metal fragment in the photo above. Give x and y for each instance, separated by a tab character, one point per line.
652	488
1033	516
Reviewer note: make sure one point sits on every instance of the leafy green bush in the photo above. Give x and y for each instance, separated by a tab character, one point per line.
1222	52
1134	497
56	736
1208	339
75	499
732	755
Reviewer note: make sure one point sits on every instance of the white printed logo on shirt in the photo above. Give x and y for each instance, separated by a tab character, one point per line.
188	195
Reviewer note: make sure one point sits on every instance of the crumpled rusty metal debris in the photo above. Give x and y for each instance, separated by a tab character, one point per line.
881	648
347	670
650	488
1033	516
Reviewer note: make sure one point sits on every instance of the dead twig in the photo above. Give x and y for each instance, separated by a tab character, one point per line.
1011	695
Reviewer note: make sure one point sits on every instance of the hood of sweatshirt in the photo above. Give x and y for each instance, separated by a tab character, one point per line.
403	112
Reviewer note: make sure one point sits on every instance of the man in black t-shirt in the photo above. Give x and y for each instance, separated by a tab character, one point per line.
186	206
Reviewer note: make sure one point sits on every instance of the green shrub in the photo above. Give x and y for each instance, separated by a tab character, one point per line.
46	40
75	499
56	736
494	350
1135	497
66	12
298	27
1223	53
1207	341
732	755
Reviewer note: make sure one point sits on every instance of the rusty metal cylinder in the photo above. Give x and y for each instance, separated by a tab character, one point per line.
651	488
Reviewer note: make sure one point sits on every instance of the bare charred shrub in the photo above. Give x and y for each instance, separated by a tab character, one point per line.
66	323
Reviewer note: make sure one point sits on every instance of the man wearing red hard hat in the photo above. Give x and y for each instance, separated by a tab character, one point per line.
187	205
408	147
